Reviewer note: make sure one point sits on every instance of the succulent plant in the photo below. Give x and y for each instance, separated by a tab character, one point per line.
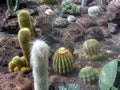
93	11
24	21
92	50
18	64
87	75
13	4
84	3
69	7
63	61
47	1
24	38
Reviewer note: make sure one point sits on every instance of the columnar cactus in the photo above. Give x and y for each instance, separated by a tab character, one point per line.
87	75
63	61
24	21
24	38
39	64
18	64
13	4
92	50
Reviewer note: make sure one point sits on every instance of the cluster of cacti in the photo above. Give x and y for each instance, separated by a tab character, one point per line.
18	64
24	21
39	64
69	7
92	50
13	4
93	11
63	61
87	75
47	1
24	38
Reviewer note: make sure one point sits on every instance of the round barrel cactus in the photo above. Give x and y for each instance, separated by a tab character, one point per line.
87	75
92	50
63	61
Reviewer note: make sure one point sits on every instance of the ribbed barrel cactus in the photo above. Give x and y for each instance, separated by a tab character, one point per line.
87	75
92	49
63	61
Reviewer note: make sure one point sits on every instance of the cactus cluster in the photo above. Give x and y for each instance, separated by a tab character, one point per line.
13	4
92	50
69	7
63	61
87	75
18	64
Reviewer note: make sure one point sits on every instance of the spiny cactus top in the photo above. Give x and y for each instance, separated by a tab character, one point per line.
63	61
92	49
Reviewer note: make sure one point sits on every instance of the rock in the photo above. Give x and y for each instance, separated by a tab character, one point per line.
15	81
60	22
113	28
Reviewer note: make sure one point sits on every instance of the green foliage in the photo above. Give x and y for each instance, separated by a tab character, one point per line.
24	21
16	64
70	8
63	61
87	75
13	4
92	50
108	75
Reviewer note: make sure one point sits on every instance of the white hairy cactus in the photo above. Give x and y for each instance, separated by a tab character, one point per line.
39	64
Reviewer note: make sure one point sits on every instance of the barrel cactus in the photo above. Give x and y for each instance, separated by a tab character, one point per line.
93	11
24	21
63	61
92	49
87	75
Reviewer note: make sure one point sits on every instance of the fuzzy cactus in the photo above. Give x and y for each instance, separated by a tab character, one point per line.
94	11
24	21
17	64
87	75
11	3
24	38
63	61
47	1
39	64
92	50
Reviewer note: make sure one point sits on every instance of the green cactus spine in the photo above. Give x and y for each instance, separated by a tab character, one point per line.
63	61
24	21
87	75
24	38
92	50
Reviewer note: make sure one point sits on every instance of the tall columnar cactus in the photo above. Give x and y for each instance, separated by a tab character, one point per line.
87	75
63	61
13	4
24	21
92	50
47	1
24	38
39	64
18	64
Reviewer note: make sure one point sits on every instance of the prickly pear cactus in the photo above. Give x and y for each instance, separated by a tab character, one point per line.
24	21
87	75
18	64
92	50
63	61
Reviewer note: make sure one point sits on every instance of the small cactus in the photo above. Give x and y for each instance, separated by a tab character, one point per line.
24	38
92	50
87	75
84	3
93	11
24	21
12	6
16	64
63	61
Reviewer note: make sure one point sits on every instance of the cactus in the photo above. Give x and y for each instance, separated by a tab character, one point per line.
87	75
47	1
92	50
10	4
84	3
24	38
24	21
39	64
17	64
63	61
93	11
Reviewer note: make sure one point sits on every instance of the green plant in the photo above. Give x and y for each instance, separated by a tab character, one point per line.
92	49
69	7
24	38
24	21
13	4
87	75
107	75
93	11
63	61
47	1
84	3
18	64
